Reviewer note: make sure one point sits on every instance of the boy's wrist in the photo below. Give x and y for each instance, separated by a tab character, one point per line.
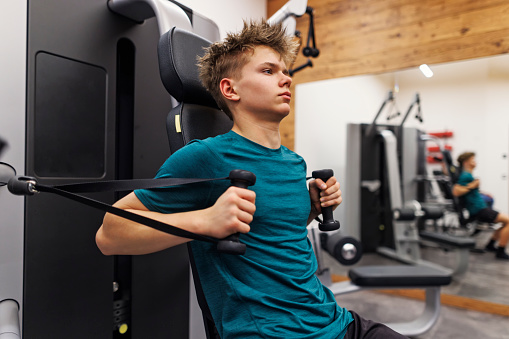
197	224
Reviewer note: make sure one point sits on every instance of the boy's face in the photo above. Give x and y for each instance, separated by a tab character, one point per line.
471	162
263	88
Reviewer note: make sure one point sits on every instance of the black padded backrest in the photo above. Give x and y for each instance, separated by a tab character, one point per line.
453	171
196	116
187	122
178	51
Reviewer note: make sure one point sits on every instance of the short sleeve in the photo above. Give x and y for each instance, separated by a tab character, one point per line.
195	160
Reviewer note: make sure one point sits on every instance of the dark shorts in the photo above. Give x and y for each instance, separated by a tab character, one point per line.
367	329
486	215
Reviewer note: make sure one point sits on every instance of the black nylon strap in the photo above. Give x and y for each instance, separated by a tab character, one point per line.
163	227
129	185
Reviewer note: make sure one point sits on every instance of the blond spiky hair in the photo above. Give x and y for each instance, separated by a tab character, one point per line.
225	59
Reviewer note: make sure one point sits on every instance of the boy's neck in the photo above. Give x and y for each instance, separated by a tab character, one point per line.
264	134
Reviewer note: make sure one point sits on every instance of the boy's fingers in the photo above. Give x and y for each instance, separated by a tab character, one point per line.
330	190
320	184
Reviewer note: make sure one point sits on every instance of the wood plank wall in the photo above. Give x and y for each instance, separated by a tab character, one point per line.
375	36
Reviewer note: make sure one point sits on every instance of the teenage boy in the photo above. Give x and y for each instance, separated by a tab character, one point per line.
272	290
468	188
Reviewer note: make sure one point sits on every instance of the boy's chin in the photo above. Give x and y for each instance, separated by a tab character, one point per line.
284	113
285	110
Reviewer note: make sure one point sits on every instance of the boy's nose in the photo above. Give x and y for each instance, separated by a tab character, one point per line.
286	80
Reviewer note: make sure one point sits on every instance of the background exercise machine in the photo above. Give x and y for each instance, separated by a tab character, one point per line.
385	166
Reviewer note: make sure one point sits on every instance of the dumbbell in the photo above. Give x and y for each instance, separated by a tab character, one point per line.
328	223
231	244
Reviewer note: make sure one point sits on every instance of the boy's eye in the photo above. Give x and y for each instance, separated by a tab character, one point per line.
268	71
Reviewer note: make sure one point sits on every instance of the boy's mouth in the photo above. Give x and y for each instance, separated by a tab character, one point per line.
286	95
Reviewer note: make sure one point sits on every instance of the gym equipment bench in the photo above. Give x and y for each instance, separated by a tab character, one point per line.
384	277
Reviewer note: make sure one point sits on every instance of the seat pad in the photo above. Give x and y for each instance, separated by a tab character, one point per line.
399	276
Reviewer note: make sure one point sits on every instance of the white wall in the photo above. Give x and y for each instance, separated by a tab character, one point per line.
322	111
228	14
469	98
12	122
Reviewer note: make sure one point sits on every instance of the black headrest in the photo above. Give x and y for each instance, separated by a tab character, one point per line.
178	51
447	157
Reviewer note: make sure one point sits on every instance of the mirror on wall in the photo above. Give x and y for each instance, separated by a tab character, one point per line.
469	99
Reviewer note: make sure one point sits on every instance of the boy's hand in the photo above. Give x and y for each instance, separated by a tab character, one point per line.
324	195
232	213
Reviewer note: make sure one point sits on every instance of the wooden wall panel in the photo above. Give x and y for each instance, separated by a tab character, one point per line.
375	36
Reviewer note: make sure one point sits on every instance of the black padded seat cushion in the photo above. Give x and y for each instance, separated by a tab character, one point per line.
459	242
399	276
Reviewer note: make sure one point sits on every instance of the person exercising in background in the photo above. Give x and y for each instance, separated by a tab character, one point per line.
468	188
271	291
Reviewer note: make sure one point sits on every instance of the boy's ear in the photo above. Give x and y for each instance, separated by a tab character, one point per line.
228	90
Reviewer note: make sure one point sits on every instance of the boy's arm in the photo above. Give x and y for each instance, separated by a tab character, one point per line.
231	213
323	195
459	190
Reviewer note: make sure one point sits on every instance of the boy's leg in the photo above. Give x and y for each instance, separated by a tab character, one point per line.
503	236
361	328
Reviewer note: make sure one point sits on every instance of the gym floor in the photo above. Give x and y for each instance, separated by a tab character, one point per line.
475	305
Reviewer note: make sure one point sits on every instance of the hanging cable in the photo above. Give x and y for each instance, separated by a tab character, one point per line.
310	50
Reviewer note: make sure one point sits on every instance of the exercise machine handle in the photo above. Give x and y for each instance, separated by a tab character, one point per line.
22	185
328	223
231	244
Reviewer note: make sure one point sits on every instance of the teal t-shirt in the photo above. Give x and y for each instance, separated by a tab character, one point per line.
473	199
271	291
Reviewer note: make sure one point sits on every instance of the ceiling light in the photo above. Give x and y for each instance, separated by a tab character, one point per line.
428	73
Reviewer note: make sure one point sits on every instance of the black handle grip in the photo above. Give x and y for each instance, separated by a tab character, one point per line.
242	179
328	223
21	185
231	244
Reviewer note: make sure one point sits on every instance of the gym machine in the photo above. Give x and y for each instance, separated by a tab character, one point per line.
457	220
94	110
385	165
348	251
9	308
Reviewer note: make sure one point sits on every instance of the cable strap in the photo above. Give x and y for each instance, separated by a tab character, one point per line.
158	225
23	185
129	185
